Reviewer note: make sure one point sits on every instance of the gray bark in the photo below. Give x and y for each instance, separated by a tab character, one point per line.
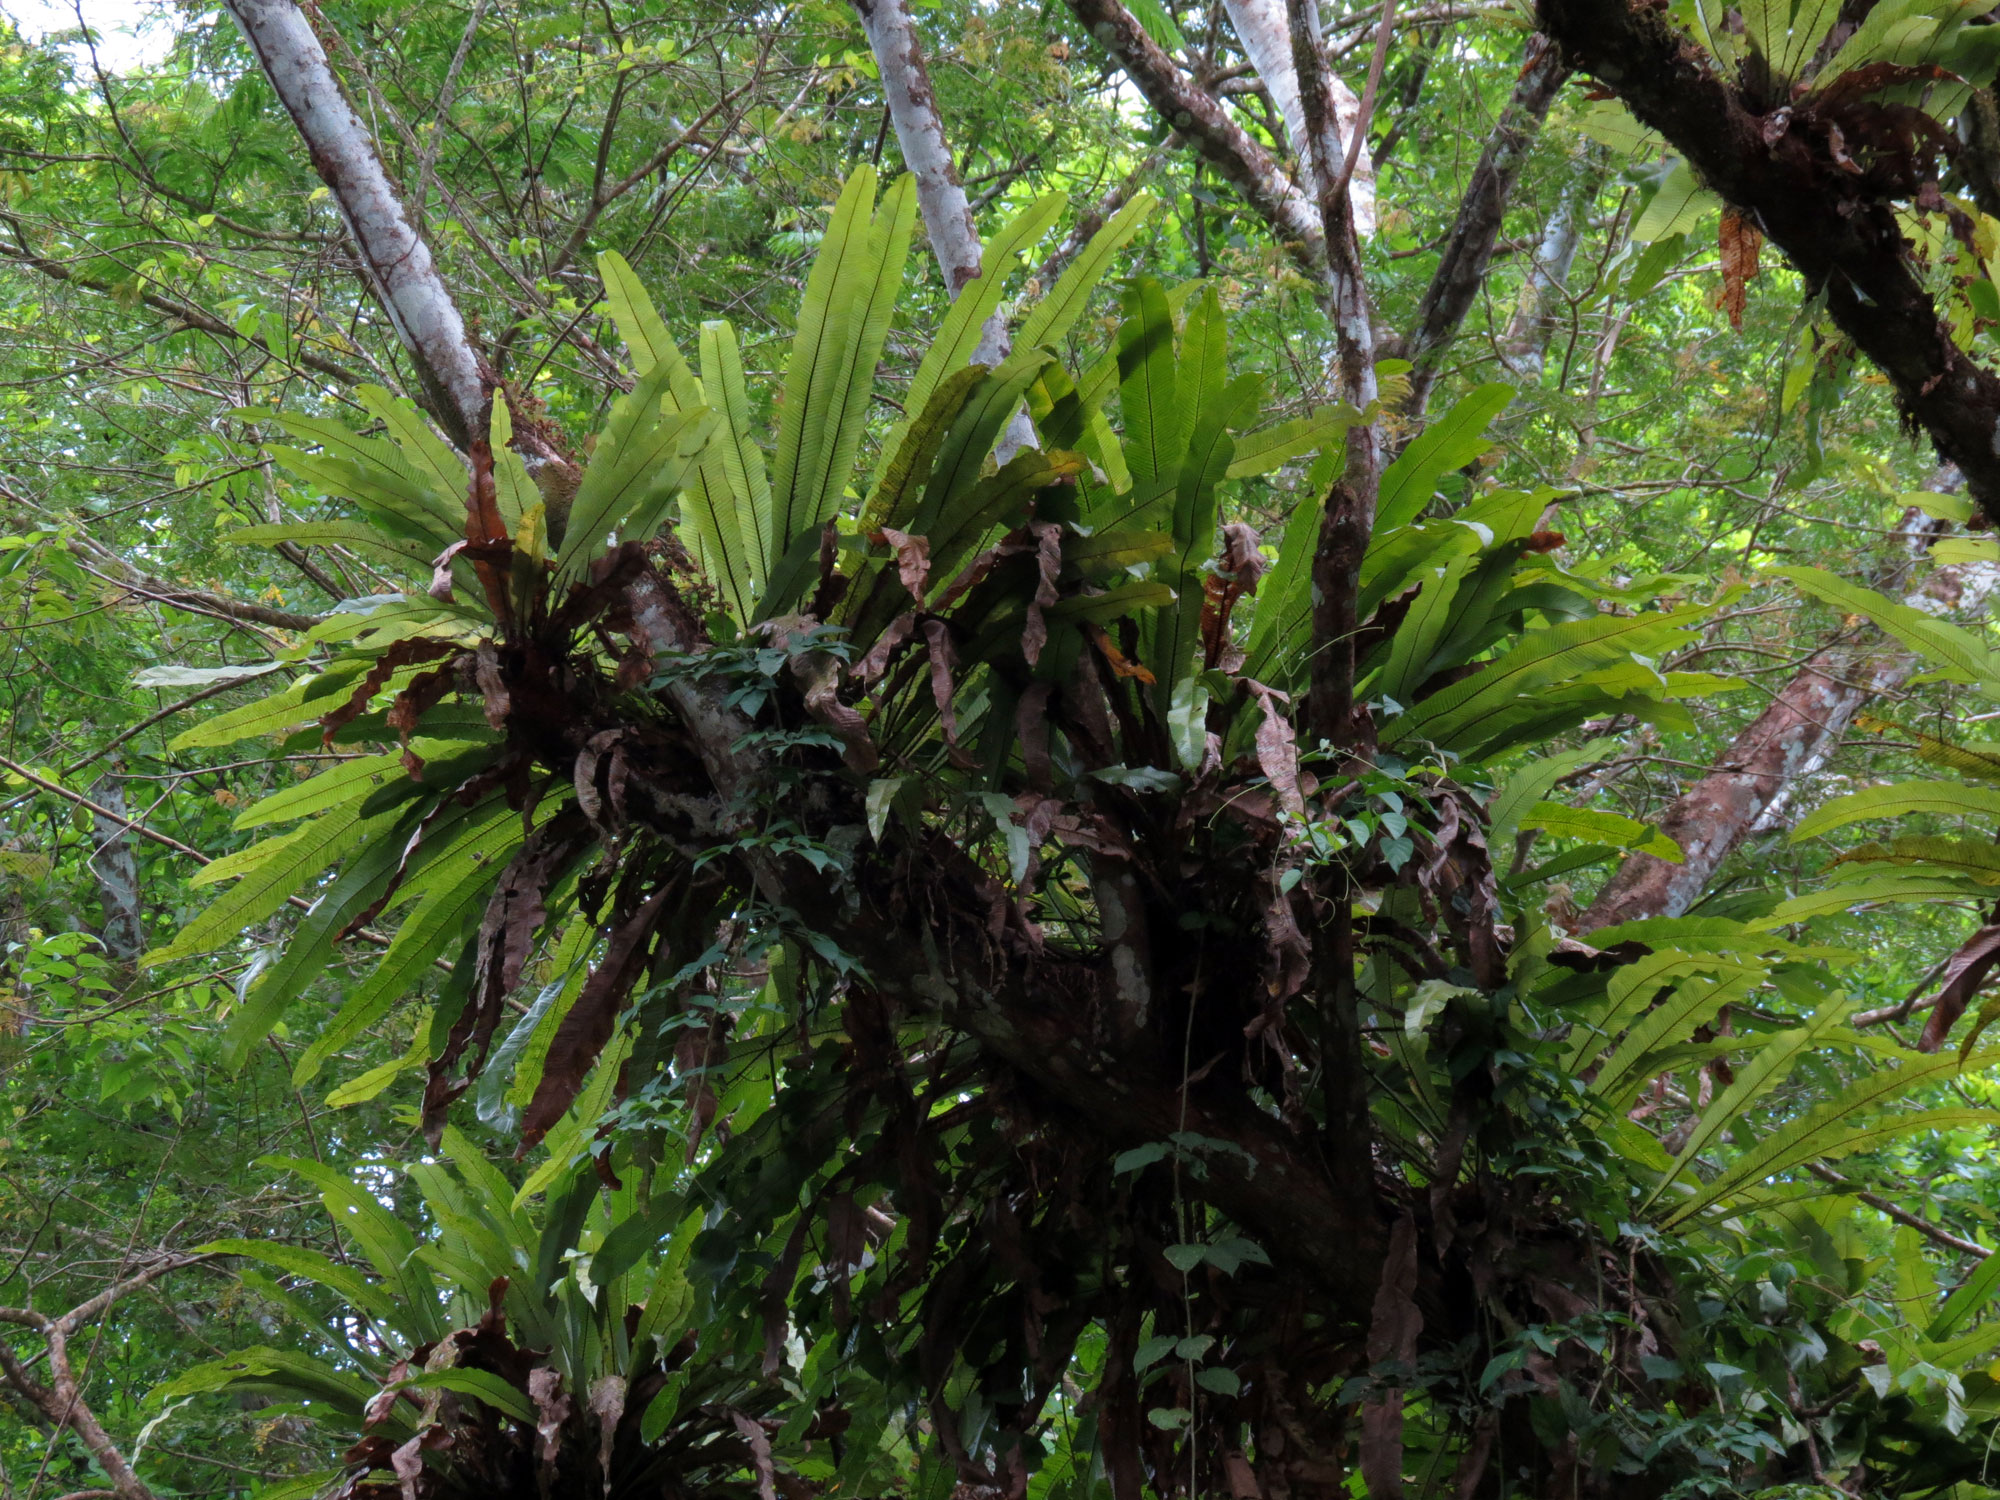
115	868
1461	271
1265	32
394	258
941	200
1525	345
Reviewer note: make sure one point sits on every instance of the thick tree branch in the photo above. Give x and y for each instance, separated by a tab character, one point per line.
1349	518
395	260
1468	251
1262	180
1756	777
1265	32
906	83
1778	168
61	1401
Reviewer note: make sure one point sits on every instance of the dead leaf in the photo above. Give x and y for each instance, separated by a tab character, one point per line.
937	640
441	571
760	1454
1392	1340
1120	663
402	654
1740	242
1237	570
494	699
876	662
1964	974
1278	750
588	1025
818	674
913	558
1048	560
552	1409
607	1405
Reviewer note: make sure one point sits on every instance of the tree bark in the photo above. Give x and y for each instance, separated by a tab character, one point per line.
1757	776
1254	172
1782	170
1524	346
1461	270
947	215
395	260
1265	32
115	868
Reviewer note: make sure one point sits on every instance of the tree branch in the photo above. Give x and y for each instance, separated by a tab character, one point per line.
1265	32
1461	270
395	260
1264	183
1779	170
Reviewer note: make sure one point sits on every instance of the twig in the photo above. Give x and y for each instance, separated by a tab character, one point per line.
1924	1227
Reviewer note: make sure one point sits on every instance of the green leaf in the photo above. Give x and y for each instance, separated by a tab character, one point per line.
1937	639
1281	443
1151	1351
357	535
1635	988
297	857
1051	319
382	1237
1149	397
843	320
277	1371
1592	825
900	481
1867	889
1975	860
1763	1070
1528	784
1694	1003
285	709
646	338
344	784
733	516
1818	1135
1678	207
633	473
958	334
1971	1295
310	948
1155	20
483	1385
450	889
961	456
1941	799
345	1282
1451	442
1416	639
1653	264
1543	657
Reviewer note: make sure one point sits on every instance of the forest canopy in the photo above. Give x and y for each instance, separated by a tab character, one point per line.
993	751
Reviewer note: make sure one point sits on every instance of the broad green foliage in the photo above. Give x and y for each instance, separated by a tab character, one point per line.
667	1052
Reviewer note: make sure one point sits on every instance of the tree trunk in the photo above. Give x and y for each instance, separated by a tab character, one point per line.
906	83
1755	779
1524	346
